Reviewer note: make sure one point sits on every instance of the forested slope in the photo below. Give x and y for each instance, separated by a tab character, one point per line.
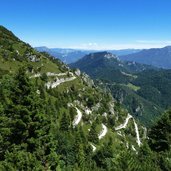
55	118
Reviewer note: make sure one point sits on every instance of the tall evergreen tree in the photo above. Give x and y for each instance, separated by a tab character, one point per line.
65	122
27	125
93	136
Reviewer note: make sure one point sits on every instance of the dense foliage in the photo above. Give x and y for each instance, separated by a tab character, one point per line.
38	130
33	138
144	90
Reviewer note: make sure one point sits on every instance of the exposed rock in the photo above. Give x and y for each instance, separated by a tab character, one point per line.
77	72
58	82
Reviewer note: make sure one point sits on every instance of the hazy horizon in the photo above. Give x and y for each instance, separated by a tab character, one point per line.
75	48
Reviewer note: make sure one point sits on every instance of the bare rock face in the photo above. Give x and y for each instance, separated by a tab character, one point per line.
78	72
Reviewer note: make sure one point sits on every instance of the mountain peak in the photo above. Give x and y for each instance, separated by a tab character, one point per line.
101	55
110	56
167	47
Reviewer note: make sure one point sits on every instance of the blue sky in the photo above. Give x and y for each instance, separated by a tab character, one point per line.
89	24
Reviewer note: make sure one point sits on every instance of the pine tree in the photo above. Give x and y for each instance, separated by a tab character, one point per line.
160	134
26	125
65	122
93	136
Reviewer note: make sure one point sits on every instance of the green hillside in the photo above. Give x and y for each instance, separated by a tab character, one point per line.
14	53
129	83
52	117
55	118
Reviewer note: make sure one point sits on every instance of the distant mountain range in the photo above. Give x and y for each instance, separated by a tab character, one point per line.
143	89
65	55
72	55
124	51
159	57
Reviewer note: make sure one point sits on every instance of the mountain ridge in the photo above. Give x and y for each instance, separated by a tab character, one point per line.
69	55
158	57
128	84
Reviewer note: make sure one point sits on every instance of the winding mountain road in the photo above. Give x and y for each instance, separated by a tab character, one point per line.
77	118
103	132
124	125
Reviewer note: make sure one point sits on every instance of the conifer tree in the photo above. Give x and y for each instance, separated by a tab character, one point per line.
93	136
65	122
27	125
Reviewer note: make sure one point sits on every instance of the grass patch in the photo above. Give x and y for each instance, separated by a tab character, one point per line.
133	87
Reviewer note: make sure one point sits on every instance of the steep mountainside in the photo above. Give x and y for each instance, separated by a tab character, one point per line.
142	89
104	65
55	118
159	57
